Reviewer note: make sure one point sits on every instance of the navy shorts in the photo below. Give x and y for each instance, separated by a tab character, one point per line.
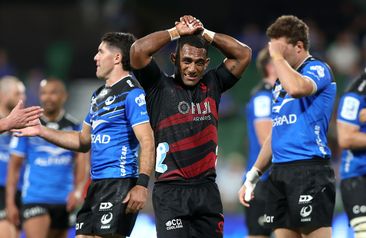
301	194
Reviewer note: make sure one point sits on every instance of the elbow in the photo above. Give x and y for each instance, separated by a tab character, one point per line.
246	55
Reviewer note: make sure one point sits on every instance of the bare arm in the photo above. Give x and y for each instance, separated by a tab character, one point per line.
137	196
262	129
350	136
142	50
71	140
263	161
293	82
14	166
238	55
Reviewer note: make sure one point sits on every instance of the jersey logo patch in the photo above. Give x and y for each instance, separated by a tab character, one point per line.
278	108
96	123
110	100
262	106
319	70
140	100
350	108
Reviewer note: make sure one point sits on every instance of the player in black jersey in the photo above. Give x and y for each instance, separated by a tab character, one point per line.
183	110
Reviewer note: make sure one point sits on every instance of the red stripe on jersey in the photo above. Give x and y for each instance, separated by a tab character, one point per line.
193	170
179	118
201	138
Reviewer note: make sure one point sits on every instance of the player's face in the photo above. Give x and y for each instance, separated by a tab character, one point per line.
16	93
52	96
192	63
291	53
105	60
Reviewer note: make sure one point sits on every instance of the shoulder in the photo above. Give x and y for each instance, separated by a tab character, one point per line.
316	68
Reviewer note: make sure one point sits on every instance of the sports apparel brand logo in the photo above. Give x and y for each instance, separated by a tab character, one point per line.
96	123
140	100
357	209
174	224
130	83
105	206
268	219
278	108
305	199
305	213
106	218
110	100
34	211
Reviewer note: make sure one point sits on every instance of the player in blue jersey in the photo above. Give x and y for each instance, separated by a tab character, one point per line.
259	123
117	123
352	139
11	91
53	178
301	191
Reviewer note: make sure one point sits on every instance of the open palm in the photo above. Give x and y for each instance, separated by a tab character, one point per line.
34	130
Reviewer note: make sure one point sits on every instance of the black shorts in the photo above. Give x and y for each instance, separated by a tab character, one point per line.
3	203
354	197
103	212
188	210
301	194
57	212
255	213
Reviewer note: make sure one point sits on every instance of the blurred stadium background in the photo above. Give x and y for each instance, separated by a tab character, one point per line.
60	38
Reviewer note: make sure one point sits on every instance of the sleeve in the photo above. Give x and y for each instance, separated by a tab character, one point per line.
136	107
319	73
87	119
349	109
148	76
262	106
225	78
18	146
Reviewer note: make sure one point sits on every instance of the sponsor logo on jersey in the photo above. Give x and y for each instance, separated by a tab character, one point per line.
285	119
110	100
319	70
268	219
51	150
129	82
51	161
303	199
100	139
350	108
140	100
79	225
104	206
174	224
34	211
203	110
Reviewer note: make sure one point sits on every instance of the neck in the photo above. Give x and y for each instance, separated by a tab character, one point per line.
116	76
301	59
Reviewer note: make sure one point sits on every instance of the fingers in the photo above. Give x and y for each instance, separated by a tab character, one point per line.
20	104
33	110
33	121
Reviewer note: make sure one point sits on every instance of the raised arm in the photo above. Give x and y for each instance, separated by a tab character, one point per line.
238	55
143	48
71	140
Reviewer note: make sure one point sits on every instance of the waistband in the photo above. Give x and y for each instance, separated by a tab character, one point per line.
313	161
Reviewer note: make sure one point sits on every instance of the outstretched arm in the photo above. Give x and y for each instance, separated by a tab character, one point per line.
143	48
20	117
71	140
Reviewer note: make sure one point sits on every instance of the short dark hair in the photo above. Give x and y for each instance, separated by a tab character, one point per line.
263	59
291	27
122	41
194	40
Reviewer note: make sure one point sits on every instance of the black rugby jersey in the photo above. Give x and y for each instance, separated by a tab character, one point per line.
184	120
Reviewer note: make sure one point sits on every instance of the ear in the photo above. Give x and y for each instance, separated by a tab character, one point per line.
207	62
300	46
118	58
173	57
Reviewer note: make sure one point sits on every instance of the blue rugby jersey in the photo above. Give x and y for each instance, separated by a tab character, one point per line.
258	108
353	161
49	169
4	159
300	125
114	111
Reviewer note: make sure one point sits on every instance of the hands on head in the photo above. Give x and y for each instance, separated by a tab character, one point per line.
188	25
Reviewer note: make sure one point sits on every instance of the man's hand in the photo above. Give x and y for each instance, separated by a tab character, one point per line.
276	49
74	200
136	199
21	117
12	213
245	195
34	130
188	25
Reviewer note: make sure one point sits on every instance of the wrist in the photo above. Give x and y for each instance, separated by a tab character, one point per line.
174	34
253	175
77	194
208	35
143	180
277	57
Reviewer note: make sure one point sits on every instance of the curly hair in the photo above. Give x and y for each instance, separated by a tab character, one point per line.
122	41
291	27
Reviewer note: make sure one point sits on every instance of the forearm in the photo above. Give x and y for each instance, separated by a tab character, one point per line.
143	48
80	171
147	156
353	141
292	81
67	139
4	125
11	182
263	161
